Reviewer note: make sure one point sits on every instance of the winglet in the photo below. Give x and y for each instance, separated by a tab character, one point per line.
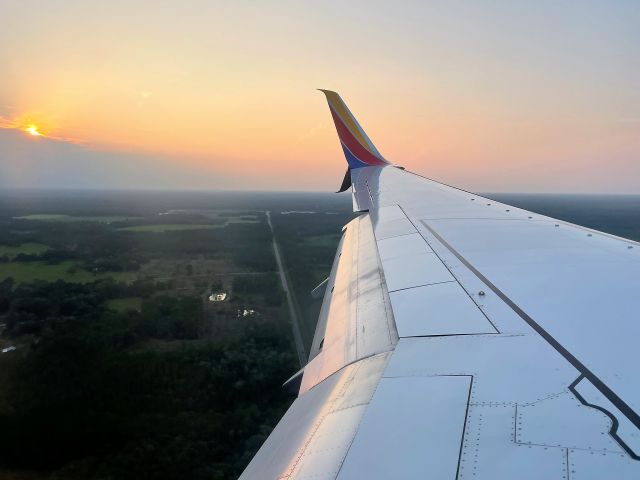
358	148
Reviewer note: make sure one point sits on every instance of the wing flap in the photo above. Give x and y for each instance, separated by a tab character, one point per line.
355	319
312	439
413	426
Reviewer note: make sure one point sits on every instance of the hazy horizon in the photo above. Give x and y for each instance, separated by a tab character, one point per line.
109	189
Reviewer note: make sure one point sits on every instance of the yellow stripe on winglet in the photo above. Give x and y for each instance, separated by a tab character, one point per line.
343	112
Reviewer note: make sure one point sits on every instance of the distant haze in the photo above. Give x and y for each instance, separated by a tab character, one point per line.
490	96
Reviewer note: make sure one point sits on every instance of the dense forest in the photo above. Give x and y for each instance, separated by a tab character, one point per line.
90	399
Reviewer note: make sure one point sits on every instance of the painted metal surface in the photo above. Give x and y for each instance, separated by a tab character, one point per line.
355	319
589	465
584	291
621	428
489	451
407	271
312	438
358	149
575	425
437	290
401	246
514	369
389	222
431	409
563	299
438	309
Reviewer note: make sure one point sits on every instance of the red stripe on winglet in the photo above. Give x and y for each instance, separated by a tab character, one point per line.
359	151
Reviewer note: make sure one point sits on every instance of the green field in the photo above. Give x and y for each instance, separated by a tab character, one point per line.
125	304
68	271
242	219
27	248
169	227
55	217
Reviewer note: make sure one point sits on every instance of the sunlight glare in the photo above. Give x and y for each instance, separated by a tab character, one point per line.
33	130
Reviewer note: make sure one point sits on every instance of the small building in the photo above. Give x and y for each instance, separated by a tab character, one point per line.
218	297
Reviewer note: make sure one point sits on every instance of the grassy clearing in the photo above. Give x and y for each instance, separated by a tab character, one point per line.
238	218
125	304
68	271
170	227
243	219
55	217
27	248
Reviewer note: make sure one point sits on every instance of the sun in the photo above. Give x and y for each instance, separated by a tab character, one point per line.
33	130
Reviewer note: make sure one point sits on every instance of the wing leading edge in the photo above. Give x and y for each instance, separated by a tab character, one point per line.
461	337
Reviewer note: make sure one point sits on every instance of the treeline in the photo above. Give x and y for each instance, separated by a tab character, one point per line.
34	308
100	247
143	203
173	218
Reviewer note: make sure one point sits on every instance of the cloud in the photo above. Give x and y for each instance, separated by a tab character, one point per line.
40	162
6	123
32	129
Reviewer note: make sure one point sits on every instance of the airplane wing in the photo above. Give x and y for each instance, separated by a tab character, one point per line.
463	338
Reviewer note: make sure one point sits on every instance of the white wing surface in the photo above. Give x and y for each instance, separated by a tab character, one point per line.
463	338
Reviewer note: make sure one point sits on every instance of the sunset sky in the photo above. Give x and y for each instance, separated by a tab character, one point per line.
491	96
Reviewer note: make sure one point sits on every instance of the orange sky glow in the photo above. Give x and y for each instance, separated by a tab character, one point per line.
490	98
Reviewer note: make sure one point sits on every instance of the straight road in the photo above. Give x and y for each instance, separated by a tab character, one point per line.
297	336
